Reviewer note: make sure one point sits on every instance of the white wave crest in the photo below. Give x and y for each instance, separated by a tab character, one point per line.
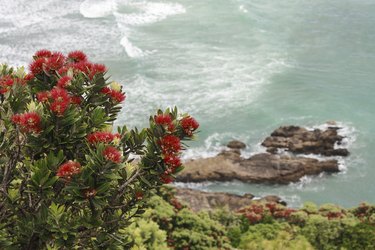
131	50
149	13
143	13
97	8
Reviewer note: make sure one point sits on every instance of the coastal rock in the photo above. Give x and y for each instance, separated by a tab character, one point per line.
299	140
236	145
199	200
260	168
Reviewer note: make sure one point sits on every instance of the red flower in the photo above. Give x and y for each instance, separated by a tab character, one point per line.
36	67
97	69
82	66
163	119
43	96
43	53
29	77
77	56
189	124
68	169
172	161
100	136
170	144
105	91
5	83
64	81
271	206
59	107
253	217
16	119
117	96
166	179
112	154
60	95
76	100
61	100
54	62
29	122
62	71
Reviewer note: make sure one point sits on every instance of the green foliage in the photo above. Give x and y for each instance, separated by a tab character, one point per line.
66	180
360	236
146	234
184	228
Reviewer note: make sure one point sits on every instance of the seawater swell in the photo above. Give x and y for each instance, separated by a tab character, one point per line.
141	13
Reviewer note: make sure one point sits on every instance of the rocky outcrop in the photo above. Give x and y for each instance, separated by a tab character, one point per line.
259	168
271	167
236	145
302	141
199	200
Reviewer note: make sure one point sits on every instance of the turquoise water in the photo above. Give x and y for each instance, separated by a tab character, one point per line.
241	67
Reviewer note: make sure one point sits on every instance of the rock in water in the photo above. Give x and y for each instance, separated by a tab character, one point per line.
302	141
271	167
236	145
259	168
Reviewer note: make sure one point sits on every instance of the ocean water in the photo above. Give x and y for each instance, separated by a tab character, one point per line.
241	67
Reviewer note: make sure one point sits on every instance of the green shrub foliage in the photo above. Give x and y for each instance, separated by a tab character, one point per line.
66	178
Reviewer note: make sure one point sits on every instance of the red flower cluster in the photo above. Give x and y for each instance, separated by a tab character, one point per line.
46	61
58	98
170	144
256	211
64	82
51	62
43	96
61	101
283	213
6	82
76	100
166	179
28	77
29	122
335	215
116	96
68	169
77	56
173	162
100	136
165	120
189	125
112	154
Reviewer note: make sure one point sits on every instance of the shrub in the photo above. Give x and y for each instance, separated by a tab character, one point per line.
358	237
66	178
146	234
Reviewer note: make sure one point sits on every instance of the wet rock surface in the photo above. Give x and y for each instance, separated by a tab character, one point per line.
271	167
299	140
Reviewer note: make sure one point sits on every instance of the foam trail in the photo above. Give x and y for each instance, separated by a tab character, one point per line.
149	13
130	49
97	8
146	13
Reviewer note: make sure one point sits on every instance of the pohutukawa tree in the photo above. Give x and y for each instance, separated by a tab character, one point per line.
67	180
